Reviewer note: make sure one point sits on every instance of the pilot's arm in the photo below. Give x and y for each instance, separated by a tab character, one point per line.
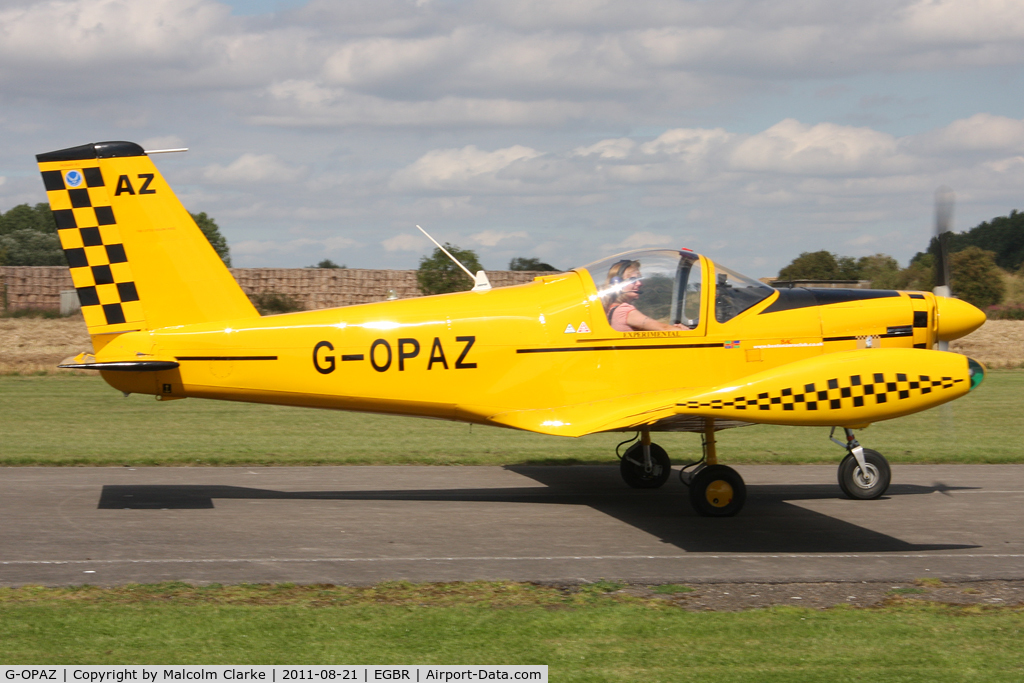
639	321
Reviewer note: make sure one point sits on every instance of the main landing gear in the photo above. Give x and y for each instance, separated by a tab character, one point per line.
645	465
719	491
715	490
864	474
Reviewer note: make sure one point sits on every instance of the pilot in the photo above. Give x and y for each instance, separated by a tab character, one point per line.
625	283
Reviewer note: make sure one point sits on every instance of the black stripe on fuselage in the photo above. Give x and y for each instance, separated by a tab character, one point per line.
225	357
803	297
566	349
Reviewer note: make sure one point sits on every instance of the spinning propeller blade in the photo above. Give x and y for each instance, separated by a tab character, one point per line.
944	202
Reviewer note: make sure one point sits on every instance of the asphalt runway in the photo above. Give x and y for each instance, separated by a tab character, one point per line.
361	525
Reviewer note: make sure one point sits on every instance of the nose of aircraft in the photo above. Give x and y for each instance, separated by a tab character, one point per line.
956	318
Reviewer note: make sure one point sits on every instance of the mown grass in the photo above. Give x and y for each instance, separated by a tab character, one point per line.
68	420
582	634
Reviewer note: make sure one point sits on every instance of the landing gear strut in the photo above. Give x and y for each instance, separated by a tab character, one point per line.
864	474
645	465
715	490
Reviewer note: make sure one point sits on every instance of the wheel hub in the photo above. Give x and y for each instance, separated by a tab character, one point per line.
865	477
719	493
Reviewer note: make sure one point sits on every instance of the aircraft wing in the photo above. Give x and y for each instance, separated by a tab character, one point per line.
654	410
845	389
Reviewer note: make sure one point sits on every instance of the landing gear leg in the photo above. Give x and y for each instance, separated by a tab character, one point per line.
645	465
716	490
864	474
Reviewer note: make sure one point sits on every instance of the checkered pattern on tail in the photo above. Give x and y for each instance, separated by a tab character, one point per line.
92	244
855	392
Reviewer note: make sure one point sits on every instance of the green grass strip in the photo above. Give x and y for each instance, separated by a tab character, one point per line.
69	420
585	634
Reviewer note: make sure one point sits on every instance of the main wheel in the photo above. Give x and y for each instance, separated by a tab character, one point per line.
861	485
717	491
632	467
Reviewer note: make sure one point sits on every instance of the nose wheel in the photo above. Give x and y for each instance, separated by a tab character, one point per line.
864	474
867	482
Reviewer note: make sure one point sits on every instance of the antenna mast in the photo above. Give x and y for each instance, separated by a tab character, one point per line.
480	281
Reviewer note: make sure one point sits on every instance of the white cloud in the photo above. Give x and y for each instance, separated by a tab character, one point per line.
253	168
690	143
292	246
406	242
492	238
774	127
608	149
639	240
826	148
451	168
162	142
981	132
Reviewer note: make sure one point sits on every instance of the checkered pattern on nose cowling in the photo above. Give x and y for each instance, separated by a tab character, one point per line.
854	392
92	244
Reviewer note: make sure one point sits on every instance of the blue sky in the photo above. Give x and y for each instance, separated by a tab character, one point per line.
566	130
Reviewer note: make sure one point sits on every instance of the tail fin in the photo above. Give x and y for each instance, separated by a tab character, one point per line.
137	259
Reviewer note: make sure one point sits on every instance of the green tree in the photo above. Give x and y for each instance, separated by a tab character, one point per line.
24	217
919	275
1003	235
883	270
212	232
328	263
820	265
28	237
523	263
31	248
976	278
437	273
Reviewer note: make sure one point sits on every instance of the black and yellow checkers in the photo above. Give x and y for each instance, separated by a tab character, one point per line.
137	259
88	231
837	393
850	387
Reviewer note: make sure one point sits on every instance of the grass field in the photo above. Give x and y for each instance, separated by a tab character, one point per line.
68	420
586	634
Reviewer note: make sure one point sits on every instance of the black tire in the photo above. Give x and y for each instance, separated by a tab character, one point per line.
632	467
717	491
853	482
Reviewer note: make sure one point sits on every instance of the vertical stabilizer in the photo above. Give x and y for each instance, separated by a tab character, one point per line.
137	259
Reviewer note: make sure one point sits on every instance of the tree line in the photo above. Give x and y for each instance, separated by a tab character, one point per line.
28	237
978	257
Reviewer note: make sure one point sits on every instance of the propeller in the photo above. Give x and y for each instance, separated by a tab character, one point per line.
955	318
944	202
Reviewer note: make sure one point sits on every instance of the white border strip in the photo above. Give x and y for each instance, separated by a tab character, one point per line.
691	556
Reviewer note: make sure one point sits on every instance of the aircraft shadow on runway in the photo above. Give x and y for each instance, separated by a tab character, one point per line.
770	522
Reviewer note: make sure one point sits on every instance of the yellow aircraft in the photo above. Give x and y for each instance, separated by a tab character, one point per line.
646	341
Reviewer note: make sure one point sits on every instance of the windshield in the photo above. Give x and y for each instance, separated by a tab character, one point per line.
735	293
663	284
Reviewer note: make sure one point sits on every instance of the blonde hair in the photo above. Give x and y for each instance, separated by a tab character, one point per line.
616	275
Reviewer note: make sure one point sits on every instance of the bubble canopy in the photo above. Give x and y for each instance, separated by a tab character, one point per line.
671	283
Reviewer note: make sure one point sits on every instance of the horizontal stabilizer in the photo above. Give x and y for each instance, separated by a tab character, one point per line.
87	361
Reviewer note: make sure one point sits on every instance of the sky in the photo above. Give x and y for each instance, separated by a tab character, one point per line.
566	130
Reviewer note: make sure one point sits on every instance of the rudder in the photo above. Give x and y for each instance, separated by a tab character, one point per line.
137	259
